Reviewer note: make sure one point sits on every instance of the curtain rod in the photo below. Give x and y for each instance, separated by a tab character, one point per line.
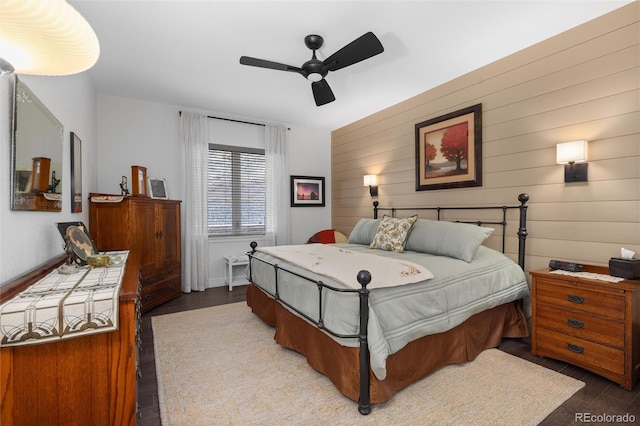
235	121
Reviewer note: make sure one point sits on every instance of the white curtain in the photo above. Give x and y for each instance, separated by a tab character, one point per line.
277	163
194	139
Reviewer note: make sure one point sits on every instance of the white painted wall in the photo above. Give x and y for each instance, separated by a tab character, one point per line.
28	239
130	132
135	132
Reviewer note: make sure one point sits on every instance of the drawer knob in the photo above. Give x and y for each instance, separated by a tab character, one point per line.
575	299
575	323
575	348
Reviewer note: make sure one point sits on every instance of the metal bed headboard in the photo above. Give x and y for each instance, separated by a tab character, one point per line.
522	229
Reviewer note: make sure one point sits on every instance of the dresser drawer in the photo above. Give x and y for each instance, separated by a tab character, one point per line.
159	292
576	297
579	351
150	275
580	324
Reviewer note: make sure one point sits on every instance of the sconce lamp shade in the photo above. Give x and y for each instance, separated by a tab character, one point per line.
370	180
45	38
571	152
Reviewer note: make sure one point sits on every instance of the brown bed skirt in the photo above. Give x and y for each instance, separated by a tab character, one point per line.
413	362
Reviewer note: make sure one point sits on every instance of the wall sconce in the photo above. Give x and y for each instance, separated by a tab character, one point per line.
570	153
45	38
371	182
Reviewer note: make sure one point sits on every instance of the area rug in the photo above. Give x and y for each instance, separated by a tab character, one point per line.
220	365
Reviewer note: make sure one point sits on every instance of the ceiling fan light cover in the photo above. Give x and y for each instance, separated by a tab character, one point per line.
314	76
46	38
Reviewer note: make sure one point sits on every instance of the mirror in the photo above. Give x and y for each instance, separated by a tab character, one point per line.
36	155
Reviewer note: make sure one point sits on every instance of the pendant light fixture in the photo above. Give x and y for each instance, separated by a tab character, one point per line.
45	37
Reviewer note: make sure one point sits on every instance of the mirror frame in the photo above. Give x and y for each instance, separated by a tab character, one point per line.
75	148
24	197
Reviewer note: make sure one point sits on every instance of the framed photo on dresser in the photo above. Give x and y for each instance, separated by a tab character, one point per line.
158	188
139	181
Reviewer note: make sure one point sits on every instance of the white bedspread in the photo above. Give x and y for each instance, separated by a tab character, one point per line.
343	265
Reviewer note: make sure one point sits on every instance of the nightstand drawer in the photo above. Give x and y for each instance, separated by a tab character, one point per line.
580	352
579	324
576	297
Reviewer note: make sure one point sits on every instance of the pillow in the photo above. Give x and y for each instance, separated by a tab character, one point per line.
364	231
453	239
392	233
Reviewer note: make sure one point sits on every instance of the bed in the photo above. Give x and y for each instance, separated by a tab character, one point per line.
373	337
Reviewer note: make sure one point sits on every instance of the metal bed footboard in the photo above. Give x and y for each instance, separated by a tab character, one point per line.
364	278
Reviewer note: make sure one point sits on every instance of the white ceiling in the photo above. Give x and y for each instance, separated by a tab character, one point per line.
186	53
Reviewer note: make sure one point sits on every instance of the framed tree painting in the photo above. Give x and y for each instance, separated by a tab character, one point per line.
449	150
307	191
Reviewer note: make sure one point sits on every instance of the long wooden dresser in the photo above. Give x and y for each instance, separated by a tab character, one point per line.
85	380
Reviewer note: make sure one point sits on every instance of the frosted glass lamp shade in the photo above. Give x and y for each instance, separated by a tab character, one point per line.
370	180
571	152
45	38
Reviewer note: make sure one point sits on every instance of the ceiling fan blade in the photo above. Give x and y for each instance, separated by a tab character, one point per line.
322	93
254	62
364	47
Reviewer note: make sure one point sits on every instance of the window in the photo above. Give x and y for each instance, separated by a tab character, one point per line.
236	191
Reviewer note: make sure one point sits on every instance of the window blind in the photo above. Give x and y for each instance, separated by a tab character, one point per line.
236	191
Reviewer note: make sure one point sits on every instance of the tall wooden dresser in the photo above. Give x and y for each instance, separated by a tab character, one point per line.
148	226
591	323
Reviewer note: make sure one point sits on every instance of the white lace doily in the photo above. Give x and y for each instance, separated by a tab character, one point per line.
589	275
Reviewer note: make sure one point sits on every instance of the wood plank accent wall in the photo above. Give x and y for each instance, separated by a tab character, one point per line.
581	84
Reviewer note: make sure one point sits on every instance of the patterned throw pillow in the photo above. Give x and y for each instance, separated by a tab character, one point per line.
392	233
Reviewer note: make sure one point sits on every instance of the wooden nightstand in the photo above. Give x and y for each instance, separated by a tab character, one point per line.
590	323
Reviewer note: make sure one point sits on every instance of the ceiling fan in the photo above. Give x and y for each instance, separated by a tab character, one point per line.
315	70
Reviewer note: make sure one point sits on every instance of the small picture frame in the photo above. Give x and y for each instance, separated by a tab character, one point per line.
158	188
139	181
23	181
307	191
80	242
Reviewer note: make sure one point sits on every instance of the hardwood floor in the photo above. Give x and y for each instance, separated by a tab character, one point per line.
599	397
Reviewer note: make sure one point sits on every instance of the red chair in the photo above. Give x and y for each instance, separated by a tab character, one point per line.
328	236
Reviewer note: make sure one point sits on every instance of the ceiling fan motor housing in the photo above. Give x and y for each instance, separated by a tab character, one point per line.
313	68
313	41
